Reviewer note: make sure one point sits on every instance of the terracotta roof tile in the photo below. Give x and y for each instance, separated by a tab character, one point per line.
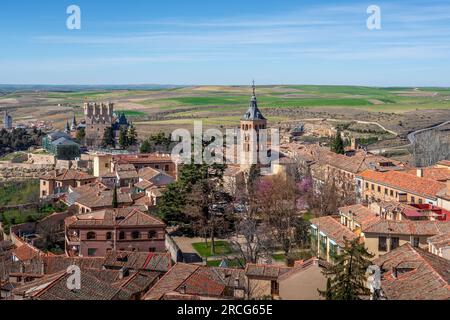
420	274
334	229
405	182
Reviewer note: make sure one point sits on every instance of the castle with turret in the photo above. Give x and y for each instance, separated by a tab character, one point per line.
99	117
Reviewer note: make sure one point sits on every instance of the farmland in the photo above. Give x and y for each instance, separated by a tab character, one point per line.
399	109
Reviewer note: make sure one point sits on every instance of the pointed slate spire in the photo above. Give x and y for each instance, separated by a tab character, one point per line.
67	130
253	113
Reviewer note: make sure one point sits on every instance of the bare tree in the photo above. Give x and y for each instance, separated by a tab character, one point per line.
277	205
430	147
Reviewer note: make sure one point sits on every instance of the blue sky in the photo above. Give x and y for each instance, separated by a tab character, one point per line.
225	42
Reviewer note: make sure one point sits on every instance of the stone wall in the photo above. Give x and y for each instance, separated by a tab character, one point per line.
21	171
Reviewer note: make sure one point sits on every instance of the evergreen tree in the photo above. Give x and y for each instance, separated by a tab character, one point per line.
145	147
115	202
131	136
108	138
81	134
123	139
347	275
337	144
171	205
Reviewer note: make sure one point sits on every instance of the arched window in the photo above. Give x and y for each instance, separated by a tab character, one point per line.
152	234
121	235
108	235
135	234
91	236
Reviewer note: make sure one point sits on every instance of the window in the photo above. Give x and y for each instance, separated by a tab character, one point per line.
392	193
166	167
135	235
420	201
415	242
394	242
413	200
152	234
157	166
379	189
91	252
275	288
121	235
367	185
373	186
382	245
44	183
91	235
152	249
385	191
108	235
44	193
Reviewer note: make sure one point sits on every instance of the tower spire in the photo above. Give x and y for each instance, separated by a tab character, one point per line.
254	88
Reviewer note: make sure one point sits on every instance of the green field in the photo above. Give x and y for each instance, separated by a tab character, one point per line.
224	105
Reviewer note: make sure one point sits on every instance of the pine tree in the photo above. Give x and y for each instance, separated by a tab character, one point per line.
145	147
337	144
123	139
115	202
108	138
131	136
347	275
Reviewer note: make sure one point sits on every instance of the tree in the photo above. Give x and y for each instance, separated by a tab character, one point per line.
347	276
171	205
430	147
204	198
131	135
337	145
108	138
277	203
326	197
123	139
115	202
81	134
145	147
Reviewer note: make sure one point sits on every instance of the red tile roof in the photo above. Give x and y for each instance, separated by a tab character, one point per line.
409	227
420	275
405	182
66	174
438	174
361	214
334	229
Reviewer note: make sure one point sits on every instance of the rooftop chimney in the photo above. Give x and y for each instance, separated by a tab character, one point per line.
183	289
420	172
123	273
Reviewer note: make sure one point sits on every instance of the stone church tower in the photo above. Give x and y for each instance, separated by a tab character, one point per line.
252	122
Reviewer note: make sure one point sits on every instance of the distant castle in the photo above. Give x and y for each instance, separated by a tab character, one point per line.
97	118
7	121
